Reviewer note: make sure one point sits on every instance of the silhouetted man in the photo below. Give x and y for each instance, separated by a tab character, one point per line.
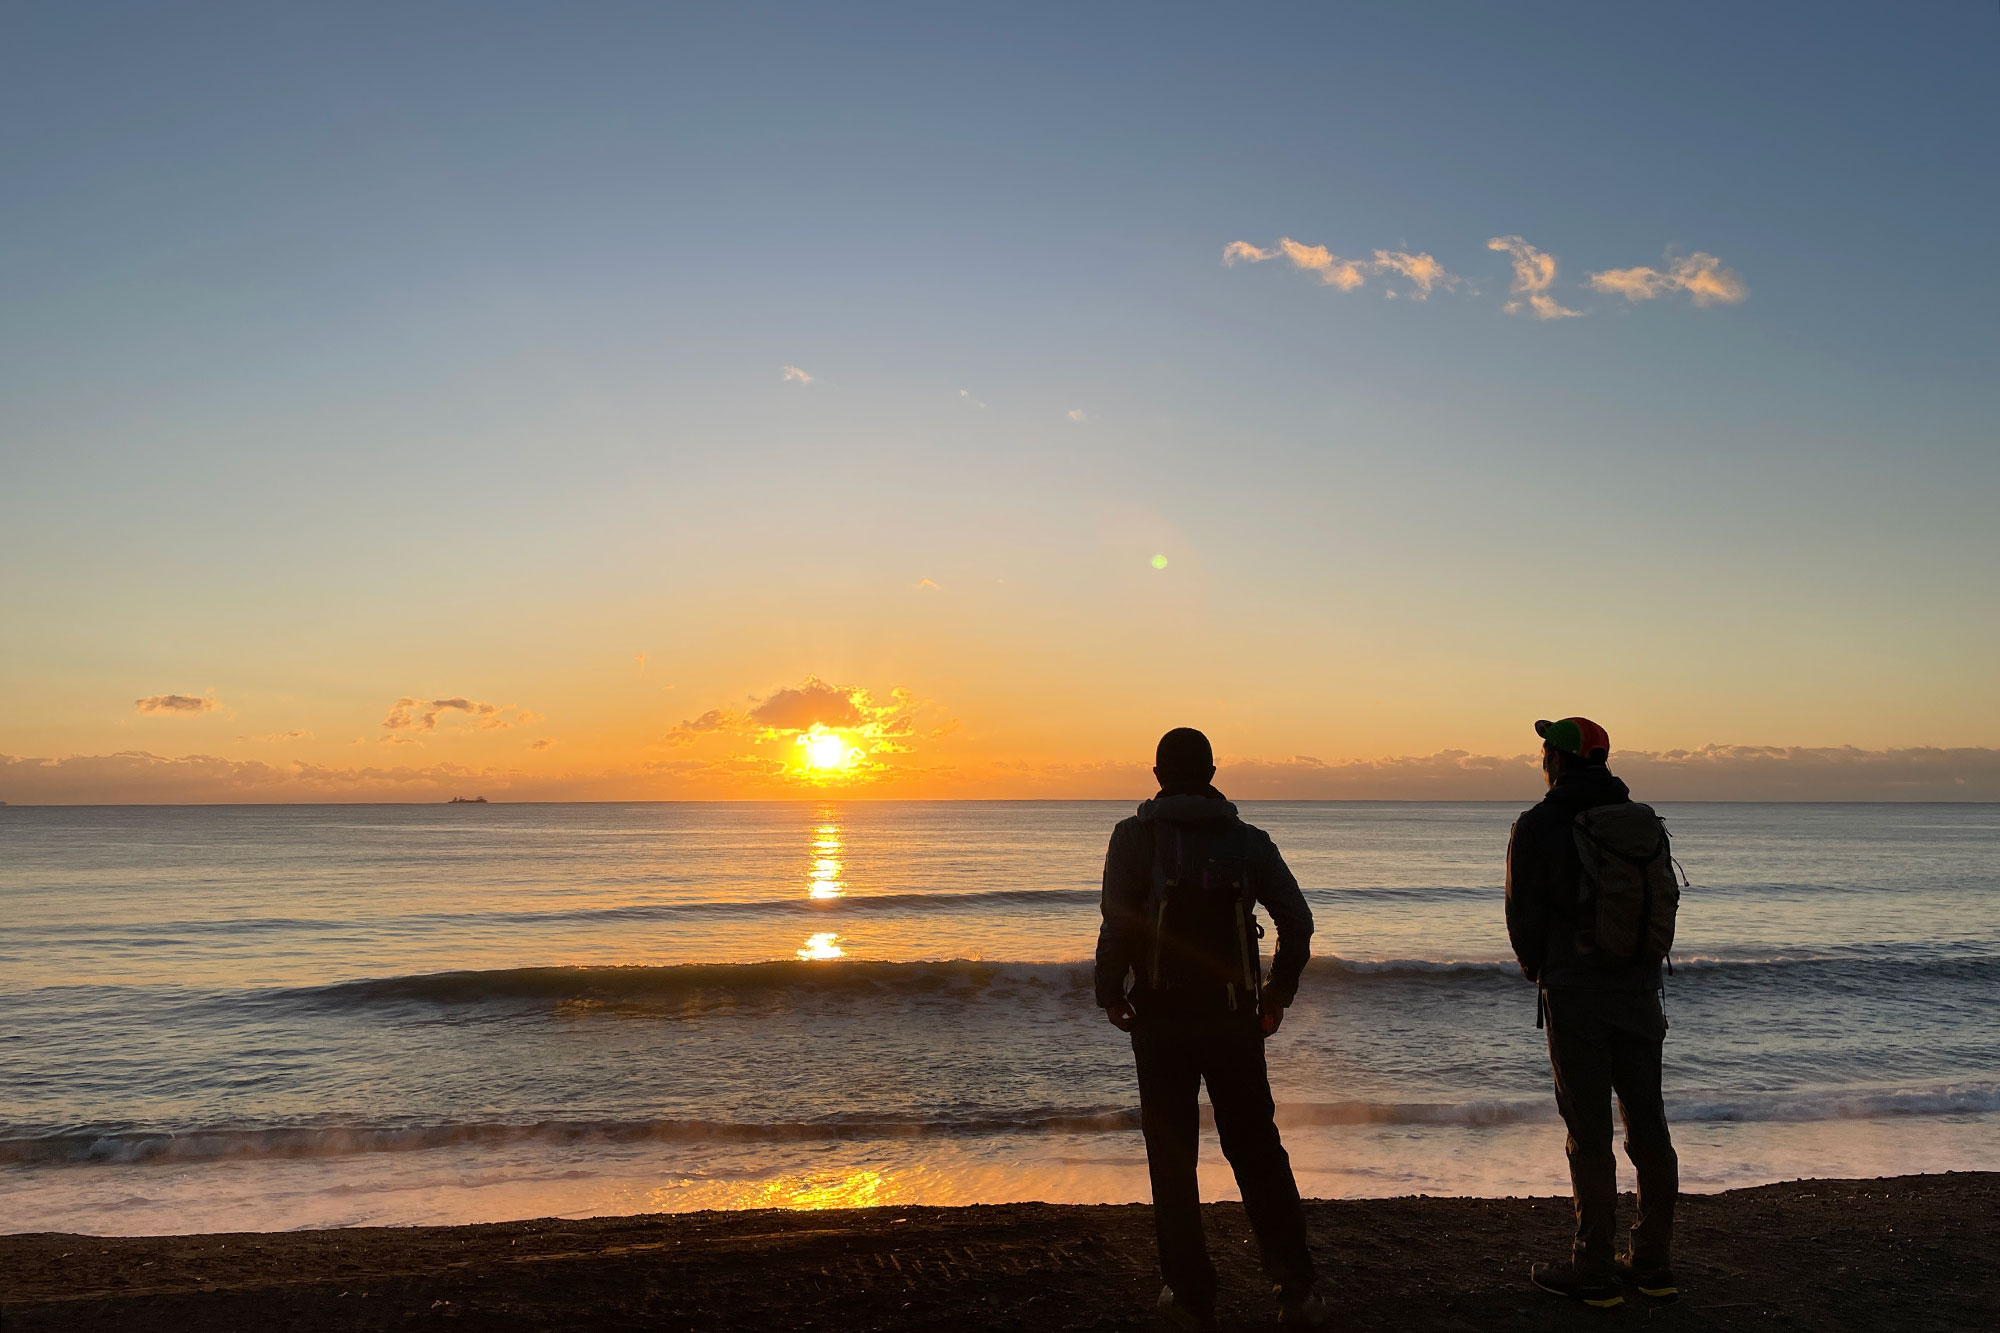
1182	881
1605	1026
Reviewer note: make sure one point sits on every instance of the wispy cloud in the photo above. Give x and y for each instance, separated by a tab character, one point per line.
1331	268
1244	252
1534	274
178	705
1078	414
970	399
793	375
277	736
926	585
413	714
1701	275
1422	271
715	719
545	743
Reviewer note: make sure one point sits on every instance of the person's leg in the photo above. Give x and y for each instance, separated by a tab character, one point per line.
1580	1058
1170	1116
1239	1088
1638	1044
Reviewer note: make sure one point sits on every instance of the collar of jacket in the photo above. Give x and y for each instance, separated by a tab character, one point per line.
1593	784
1187	803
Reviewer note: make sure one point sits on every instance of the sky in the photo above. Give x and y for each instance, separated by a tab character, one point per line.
653	402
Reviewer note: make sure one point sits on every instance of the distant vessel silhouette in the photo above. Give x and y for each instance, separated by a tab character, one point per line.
466	800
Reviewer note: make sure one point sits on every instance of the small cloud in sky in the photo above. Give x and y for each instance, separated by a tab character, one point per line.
178	705
1701	275
923	584
1534	274
815	703
1331	268
1078	414
715	719
641	659
793	375
1245	252
814	708
970	399
278	736
545	743
1422	271
413	714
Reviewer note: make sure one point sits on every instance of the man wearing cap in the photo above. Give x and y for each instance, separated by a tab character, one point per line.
1182	879
1606	1031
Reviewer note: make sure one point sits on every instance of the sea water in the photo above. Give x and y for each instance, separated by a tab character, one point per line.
224	1018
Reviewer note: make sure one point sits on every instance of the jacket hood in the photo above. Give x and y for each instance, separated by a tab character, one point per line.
1187	806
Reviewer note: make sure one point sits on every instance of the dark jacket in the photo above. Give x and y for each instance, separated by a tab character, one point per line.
1123	939
1544	876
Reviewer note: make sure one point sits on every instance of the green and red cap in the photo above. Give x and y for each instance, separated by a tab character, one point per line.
1576	735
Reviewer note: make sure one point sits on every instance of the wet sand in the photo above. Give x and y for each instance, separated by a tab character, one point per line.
1912	1252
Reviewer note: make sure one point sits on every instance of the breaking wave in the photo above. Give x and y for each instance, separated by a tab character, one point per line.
306	1141
967	978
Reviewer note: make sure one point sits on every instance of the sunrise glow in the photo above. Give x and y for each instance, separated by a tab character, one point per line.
826	753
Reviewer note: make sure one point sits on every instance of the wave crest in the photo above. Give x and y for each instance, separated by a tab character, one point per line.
293	1141
946	979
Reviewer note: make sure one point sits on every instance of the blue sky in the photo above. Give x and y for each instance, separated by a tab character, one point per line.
361	352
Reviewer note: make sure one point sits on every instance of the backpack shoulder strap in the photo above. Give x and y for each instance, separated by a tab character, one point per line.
1167	869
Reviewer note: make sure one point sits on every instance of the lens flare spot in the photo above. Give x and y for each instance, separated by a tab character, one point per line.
1159	562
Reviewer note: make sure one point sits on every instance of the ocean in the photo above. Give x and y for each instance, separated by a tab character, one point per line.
248	1018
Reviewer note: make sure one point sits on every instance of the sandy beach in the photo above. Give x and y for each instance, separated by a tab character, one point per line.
1911	1252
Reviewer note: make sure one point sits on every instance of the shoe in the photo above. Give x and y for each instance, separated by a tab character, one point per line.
1179	1314
1301	1307
1564	1280
1653	1283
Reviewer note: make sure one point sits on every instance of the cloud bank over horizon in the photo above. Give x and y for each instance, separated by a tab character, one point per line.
1708	773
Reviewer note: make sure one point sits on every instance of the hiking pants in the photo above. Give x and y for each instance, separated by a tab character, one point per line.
1601	1043
1174	1059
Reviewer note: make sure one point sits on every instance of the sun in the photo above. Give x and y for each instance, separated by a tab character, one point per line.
825	753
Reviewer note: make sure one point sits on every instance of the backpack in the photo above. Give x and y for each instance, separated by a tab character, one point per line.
1203	918
1628	895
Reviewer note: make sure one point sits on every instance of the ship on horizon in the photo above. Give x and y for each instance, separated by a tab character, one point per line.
466	800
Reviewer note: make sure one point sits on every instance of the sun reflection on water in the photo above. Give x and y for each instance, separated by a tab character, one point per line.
823	880
822	946
818	1189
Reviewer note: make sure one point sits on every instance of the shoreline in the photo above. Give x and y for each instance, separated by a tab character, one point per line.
1905	1252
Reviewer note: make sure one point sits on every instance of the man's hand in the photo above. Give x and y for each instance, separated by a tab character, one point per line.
1121	1015
1269	1016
